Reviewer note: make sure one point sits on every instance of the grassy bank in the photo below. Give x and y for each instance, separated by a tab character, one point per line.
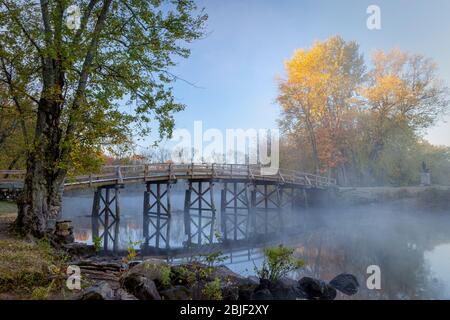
432	197
29	269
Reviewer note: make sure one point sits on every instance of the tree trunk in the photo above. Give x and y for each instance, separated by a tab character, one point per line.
312	139
42	193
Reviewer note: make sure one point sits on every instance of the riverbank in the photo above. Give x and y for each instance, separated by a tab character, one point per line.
420	197
29	269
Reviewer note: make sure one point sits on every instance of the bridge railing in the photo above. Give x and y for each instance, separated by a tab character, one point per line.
121	173
12	175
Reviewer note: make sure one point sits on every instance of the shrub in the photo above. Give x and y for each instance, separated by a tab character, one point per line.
212	290
277	263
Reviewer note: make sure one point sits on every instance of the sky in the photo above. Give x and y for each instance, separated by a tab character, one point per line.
236	66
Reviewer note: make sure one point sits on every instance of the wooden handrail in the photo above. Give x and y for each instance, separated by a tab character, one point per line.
120	174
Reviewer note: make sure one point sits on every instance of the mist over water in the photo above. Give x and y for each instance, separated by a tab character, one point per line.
411	246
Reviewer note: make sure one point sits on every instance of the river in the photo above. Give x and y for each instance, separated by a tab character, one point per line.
410	246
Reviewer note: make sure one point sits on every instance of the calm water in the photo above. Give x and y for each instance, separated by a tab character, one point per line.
412	248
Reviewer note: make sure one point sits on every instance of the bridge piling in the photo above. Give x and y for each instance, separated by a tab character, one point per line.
102	210
157	214
235	210
266	208
198	210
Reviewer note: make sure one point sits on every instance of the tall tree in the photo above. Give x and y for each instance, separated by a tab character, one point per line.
317	95
402	91
78	75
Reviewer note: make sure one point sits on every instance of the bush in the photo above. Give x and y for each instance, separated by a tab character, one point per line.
212	290
278	262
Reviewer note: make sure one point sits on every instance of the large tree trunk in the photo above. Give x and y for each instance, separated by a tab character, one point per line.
41	196
48	159
312	139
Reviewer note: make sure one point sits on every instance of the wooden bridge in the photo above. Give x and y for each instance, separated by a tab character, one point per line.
251	201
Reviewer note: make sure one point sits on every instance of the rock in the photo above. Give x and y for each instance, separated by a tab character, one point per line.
262	294
315	289
253	280
190	272
197	290
79	249
285	289
230	291
64	232
151	269
345	283
122	294
141	287
176	293
226	275
263	284
99	291
131	264
246	289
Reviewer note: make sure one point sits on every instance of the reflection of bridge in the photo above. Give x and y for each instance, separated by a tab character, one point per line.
251	198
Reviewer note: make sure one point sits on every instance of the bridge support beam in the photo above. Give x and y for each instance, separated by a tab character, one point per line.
106	215
157	213
235	210
266	207
199	212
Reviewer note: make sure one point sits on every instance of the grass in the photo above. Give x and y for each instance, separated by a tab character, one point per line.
22	265
28	268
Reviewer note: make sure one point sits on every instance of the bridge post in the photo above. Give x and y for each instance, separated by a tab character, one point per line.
95	214
239	205
305	198
102	211
198	210
266	208
157	213
187	217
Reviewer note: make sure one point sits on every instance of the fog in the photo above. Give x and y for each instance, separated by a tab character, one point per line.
411	246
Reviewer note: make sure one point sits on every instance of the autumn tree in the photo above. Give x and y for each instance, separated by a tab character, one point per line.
360	125
318	94
403	91
90	83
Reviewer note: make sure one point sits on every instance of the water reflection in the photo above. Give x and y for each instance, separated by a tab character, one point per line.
411	248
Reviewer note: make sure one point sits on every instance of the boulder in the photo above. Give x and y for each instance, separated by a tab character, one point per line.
262	294
99	291
141	287
176	293
246	289
79	249
151	269
230	291
122	294
285	289
315	289
64	232
226	275
134	263
345	283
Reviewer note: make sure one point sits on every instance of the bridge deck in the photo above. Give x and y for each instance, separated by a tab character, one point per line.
113	175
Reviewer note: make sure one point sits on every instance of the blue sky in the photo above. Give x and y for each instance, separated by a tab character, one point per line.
235	67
